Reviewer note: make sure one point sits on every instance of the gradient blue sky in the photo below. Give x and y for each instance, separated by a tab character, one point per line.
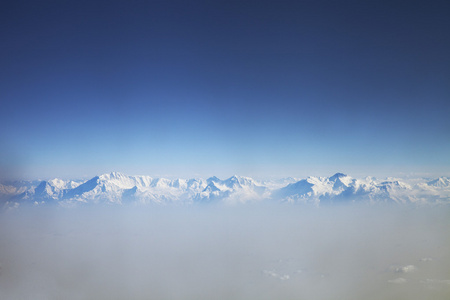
196	88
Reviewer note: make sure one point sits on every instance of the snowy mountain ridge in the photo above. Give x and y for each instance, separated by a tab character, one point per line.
118	188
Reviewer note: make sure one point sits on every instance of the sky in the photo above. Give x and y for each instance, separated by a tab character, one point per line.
202	88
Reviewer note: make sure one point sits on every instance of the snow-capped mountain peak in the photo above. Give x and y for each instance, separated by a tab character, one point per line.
337	176
119	188
440	182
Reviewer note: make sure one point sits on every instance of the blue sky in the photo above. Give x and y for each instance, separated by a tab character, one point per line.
200	88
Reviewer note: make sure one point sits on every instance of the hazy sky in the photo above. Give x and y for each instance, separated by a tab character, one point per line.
196	88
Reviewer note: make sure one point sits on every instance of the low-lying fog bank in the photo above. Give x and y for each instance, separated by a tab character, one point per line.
249	252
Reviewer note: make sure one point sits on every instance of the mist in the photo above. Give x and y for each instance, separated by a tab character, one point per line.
242	252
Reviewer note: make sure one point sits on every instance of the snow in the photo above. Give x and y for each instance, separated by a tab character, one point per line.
118	188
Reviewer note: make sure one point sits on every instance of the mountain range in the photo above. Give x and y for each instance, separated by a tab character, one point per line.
118	188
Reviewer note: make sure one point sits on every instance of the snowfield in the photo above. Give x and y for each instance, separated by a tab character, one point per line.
118	188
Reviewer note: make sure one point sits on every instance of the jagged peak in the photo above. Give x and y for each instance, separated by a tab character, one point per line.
42	187
304	183
233	178
111	186
112	175
213	179
211	187
337	176
395	183
43	183
440	182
